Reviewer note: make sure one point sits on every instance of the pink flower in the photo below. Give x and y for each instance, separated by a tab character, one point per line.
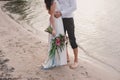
58	41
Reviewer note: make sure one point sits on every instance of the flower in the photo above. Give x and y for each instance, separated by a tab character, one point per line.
57	41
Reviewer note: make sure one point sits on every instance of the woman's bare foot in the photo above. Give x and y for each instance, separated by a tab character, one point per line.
75	65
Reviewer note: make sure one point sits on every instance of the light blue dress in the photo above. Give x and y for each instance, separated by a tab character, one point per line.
60	58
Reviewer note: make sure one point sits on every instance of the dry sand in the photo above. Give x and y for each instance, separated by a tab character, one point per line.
22	53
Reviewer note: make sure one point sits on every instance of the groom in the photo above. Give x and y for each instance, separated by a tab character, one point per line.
66	11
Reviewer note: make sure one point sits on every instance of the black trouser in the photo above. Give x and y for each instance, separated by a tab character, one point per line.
69	27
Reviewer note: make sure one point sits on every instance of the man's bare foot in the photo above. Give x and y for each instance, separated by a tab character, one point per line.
75	65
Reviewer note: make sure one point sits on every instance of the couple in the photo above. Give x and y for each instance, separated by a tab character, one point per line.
61	20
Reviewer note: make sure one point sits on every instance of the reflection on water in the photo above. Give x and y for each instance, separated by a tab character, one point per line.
89	8
97	26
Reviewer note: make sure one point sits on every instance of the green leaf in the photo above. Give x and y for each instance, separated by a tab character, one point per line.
52	51
49	29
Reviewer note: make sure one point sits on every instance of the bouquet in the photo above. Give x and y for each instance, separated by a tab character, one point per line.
58	42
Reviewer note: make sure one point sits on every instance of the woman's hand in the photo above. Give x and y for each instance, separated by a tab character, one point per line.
53	32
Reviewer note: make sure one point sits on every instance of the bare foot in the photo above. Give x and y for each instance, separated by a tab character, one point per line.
75	65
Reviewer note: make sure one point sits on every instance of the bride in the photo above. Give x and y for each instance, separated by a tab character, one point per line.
60	56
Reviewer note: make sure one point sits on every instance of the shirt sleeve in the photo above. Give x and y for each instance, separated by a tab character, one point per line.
72	8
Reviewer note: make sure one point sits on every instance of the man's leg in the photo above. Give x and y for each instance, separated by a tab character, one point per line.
75	65
68	60
75	54
69	25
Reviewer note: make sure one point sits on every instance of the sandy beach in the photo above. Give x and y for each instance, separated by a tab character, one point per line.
22	53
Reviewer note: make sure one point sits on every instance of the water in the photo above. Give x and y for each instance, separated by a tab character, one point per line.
98	31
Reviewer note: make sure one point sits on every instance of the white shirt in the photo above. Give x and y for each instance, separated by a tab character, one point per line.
67	7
